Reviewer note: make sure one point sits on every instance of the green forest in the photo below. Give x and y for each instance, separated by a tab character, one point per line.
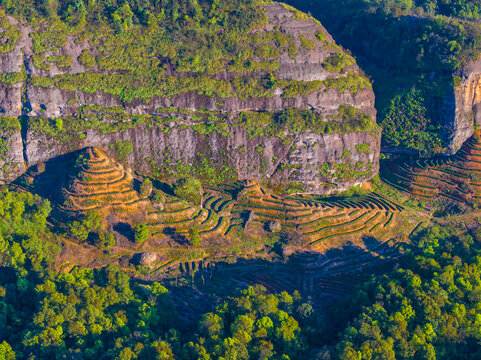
126	13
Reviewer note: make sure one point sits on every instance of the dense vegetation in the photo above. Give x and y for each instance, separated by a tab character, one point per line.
413	78
137	38
252	325
104	314
135	12
428	308
464	9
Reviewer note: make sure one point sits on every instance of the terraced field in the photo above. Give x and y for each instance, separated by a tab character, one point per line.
347	237
456	178
212	218
98	182
318	220
250	208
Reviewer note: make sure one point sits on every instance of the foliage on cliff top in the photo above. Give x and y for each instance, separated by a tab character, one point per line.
233	14
137	36
138	50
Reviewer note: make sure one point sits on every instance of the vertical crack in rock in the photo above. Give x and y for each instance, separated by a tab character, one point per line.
26	106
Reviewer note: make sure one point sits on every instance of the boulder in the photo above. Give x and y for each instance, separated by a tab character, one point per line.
274	226
148	259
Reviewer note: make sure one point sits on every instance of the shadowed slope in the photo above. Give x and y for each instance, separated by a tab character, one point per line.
456	178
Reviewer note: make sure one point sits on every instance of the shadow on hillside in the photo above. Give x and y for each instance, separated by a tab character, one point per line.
7	275
323	277
125	231
163	186
175	236
49	177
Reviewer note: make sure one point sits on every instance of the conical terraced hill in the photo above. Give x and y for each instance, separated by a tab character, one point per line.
456	178
98	181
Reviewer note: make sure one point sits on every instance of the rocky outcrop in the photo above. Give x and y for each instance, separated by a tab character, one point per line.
319	161
148	259
306	66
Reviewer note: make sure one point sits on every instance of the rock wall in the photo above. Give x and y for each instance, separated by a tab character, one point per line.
53	102
12	162
322	162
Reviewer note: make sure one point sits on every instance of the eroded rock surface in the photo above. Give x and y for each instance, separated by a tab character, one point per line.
466	102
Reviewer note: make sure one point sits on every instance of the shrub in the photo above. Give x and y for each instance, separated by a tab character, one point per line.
363	148
106	240
146	188
291	237
59	124
89	223
307	44
157	197
189	189
338	62
62	61
194	235
141	232
86	59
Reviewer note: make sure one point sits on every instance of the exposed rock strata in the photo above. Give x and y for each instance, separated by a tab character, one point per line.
12	162
302	160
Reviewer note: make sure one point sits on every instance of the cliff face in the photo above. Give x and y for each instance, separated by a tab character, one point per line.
467	105
68	98
12	162
311	160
